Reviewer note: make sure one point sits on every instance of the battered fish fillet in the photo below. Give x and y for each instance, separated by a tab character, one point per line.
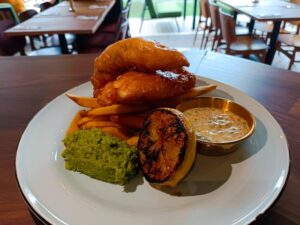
136	87
134	53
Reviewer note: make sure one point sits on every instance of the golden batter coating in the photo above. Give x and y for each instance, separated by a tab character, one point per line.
134	53
137	88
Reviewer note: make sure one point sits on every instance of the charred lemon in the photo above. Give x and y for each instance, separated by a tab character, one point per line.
167	147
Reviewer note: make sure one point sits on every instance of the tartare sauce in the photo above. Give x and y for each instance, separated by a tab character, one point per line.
215	125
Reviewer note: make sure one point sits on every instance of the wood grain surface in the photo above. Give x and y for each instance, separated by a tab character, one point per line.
27	84
279	91
266	10
59	20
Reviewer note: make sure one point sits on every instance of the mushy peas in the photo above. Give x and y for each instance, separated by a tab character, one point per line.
215	125
100	156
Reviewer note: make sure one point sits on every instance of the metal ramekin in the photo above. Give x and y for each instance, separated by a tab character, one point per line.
217	149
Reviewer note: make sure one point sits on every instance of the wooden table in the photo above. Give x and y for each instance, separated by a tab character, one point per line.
267	10
28	83
59	20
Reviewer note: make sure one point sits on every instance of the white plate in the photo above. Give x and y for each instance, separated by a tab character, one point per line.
232	189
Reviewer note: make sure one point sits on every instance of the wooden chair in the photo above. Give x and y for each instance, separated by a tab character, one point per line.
117	29
55	2
113	26
240	45
266	28
161	10
204	17
10	45
99	43
289	45
27	14
295	23
216	26
110	31
45	5
100	40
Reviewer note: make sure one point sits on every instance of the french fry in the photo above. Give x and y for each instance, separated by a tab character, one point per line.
73	125
86	119
84	113
128	120
115	109
100	124
84	101
192	93
115	118
115	131
133	141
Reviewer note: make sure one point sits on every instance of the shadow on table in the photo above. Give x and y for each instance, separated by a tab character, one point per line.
211	172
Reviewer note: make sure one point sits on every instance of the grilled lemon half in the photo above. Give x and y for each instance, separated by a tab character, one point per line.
167	147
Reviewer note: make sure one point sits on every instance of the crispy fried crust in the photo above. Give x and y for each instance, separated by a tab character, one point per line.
134	53
136	87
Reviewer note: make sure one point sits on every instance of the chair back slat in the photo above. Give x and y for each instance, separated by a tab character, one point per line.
295	1
227	27
10	45
45	5
55	2
215	15
27	14
204	7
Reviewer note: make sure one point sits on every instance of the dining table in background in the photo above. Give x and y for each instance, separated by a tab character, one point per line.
60	20
27	84
276	11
